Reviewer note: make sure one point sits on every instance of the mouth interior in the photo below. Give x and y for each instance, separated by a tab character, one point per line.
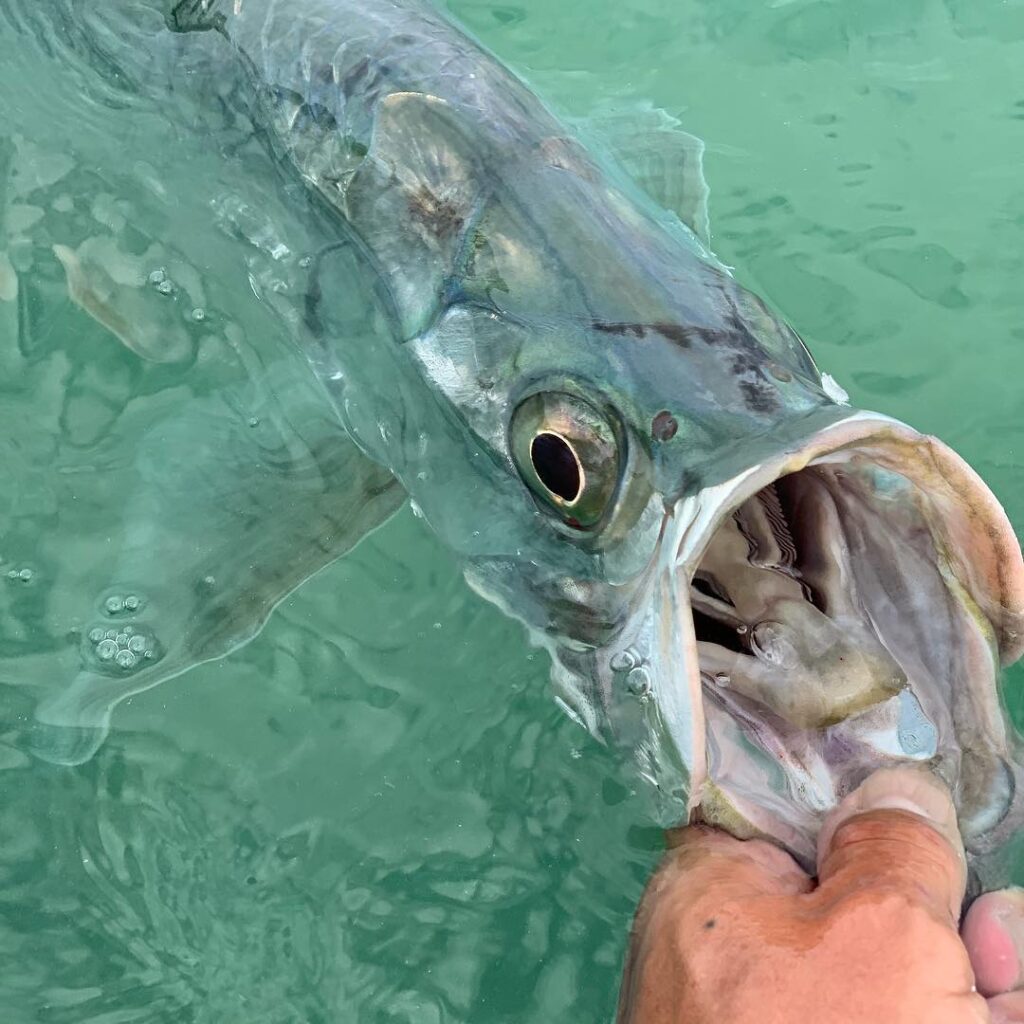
779	605
833	639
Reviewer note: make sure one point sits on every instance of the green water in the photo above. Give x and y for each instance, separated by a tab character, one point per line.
374	812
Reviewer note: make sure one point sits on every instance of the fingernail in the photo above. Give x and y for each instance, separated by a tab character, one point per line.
915	790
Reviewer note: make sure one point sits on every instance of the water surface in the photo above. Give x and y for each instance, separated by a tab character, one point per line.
374	812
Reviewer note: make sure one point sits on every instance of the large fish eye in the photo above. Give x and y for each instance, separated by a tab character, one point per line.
567	453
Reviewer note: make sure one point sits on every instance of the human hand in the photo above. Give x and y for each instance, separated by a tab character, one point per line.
732	932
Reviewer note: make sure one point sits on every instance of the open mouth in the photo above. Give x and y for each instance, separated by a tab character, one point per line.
851	605
780	610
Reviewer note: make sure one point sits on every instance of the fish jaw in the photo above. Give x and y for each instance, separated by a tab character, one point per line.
789	647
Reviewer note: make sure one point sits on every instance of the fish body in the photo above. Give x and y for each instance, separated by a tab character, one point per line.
759	592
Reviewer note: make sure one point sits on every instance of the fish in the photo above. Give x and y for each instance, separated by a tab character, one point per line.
755	591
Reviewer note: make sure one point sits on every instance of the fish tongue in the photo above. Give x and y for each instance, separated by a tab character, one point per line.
805	668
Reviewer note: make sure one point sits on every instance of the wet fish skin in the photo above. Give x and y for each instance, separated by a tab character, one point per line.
510	262
556	270
514	262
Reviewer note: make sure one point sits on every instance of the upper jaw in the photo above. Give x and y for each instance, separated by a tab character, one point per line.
909	570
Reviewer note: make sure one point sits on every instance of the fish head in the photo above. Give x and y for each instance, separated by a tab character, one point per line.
759	592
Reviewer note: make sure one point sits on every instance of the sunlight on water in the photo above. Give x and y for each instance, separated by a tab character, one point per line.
374	812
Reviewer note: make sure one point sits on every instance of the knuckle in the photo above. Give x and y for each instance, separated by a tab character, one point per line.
892	828
894	915
897	845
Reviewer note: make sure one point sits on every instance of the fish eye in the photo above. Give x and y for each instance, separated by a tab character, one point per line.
557	466
568	454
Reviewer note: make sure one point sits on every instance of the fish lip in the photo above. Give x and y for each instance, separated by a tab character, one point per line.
976	537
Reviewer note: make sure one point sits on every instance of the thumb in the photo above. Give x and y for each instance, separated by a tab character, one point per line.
897	832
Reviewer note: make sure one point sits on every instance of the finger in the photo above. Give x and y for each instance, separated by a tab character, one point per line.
700	900
896	833
753	863
993	932
1007	1009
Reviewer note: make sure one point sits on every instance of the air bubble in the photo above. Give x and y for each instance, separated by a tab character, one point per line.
132	602
638	682
122	648
722	679
254	421
12	574
199	314
623	661
771	643
113	604
125	659
25	575
157	276
305	261
165	287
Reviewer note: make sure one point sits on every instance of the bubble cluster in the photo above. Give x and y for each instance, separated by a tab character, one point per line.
121	646
629	663
160	281
118	604
22	575
124	649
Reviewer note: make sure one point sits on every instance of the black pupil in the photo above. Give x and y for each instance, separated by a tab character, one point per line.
556	466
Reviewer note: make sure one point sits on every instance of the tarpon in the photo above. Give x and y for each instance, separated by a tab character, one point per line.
759	592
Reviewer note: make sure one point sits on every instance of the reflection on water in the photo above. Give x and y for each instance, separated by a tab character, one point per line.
316	826
373	812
